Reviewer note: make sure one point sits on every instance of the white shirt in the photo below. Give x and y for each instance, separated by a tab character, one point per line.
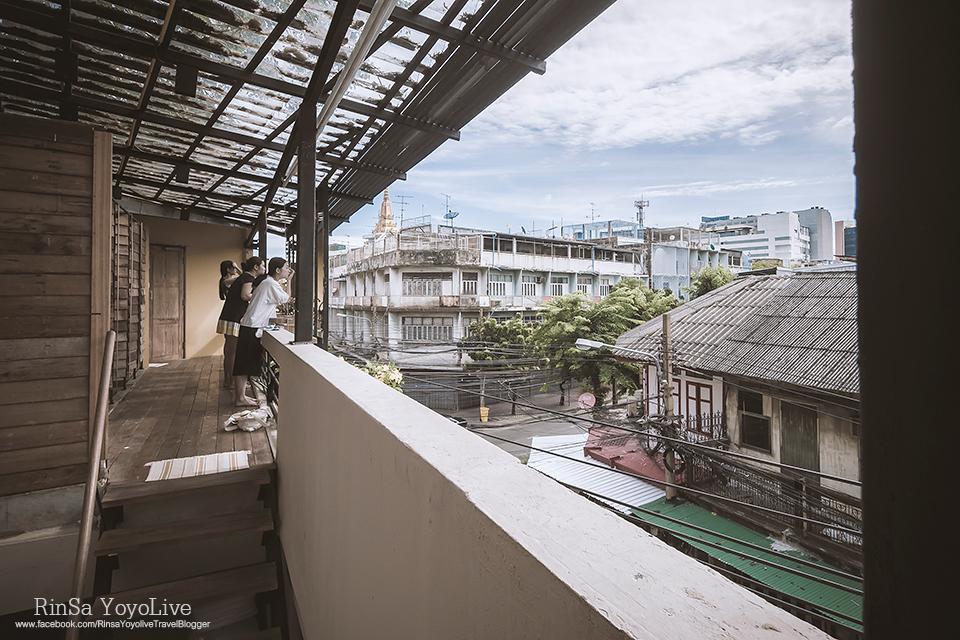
263	306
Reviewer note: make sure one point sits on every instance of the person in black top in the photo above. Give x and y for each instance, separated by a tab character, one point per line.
234	306
229	271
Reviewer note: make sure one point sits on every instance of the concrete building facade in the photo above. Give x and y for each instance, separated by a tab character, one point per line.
794	237
416	291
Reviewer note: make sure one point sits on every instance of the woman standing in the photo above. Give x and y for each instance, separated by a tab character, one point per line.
274	290
229	272
234	306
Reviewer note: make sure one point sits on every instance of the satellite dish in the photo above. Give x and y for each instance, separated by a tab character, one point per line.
450	215
586	400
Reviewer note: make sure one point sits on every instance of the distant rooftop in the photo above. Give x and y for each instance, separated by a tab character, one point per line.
794	328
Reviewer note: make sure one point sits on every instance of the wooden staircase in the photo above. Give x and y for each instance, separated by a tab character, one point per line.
207	541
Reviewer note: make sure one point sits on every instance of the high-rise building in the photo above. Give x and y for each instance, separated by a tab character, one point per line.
793	237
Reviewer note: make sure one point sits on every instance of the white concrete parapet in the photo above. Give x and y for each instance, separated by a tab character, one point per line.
395	522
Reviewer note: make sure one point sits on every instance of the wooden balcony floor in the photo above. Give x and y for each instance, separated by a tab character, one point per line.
177	411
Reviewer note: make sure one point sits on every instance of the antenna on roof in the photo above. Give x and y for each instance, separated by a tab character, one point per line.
640	204
403	204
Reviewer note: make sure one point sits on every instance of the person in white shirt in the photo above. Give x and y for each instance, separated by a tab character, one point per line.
274	290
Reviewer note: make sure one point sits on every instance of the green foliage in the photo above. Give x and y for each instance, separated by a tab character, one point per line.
708	279
563	321
765	263
568	318
387	373
493	340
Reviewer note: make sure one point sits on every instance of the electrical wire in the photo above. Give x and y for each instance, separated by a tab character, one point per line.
778	554
679	487
662	437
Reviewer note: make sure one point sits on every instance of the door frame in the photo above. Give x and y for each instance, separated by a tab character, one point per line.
816	425
183	295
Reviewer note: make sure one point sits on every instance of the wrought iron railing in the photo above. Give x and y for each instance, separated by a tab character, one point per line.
829	515
270	381
703	428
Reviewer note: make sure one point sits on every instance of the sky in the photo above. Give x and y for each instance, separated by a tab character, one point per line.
701	107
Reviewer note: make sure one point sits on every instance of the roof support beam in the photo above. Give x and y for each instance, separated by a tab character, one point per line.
236	173
225	73
339	24
241	200
306	278
117	108
431	27
163	41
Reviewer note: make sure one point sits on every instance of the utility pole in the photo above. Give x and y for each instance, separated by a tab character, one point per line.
666	390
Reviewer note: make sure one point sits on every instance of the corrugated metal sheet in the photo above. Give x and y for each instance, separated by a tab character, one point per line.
821	595
609	483
796	328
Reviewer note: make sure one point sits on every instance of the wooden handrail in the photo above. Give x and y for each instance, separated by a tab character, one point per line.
93	474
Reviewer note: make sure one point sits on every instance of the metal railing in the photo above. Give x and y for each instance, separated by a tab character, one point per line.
787	493
93	476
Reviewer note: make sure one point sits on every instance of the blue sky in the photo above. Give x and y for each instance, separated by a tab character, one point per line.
703	107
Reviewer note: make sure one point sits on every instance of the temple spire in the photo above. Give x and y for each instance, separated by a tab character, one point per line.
385	224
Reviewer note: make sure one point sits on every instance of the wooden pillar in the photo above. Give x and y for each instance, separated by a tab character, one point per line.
306	277
323	203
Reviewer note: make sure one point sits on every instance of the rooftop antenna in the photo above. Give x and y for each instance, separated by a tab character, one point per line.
593	213
640	204
403	204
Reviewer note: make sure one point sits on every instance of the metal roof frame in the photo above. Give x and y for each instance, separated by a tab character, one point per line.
223	151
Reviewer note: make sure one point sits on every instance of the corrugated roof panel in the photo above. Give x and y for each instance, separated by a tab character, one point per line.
824	597
591	478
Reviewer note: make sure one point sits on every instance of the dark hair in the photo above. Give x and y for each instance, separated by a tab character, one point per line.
275	265
225	267
252	263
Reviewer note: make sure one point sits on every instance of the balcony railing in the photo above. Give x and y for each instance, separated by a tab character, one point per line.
385	505
831	517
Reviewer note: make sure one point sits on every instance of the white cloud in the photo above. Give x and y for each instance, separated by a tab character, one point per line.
666	72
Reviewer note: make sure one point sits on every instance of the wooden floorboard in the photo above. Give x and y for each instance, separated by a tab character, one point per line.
176	411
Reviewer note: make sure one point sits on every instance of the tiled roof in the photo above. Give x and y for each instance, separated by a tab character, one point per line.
798	328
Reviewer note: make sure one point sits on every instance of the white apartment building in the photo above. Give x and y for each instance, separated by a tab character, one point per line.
794	237
415	294
674	263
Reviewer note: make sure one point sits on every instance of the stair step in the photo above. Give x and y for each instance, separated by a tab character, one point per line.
126	539
255	578
117	494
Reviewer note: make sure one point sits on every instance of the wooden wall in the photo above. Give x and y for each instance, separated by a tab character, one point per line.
127	298
54	296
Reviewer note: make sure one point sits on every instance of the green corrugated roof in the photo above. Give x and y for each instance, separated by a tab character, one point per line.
821	595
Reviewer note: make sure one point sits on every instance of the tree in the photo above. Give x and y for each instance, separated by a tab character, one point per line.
568	318
491	339
708	279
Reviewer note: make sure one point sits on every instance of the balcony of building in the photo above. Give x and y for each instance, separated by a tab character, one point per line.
368	514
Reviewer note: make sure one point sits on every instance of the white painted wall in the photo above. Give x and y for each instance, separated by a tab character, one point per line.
396	522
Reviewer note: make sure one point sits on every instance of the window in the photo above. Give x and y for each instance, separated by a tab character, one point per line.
754	425
604	287
499	284
468	284
558	285
528	287
428	329
584	283
424	284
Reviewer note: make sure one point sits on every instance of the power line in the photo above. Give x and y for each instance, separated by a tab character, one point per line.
662	437
801	561
794	516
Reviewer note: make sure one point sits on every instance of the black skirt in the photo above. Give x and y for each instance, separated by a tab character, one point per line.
249	358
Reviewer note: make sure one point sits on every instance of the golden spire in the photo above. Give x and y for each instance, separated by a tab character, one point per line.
385	224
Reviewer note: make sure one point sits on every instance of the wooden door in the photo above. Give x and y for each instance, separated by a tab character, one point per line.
166	303
799	445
